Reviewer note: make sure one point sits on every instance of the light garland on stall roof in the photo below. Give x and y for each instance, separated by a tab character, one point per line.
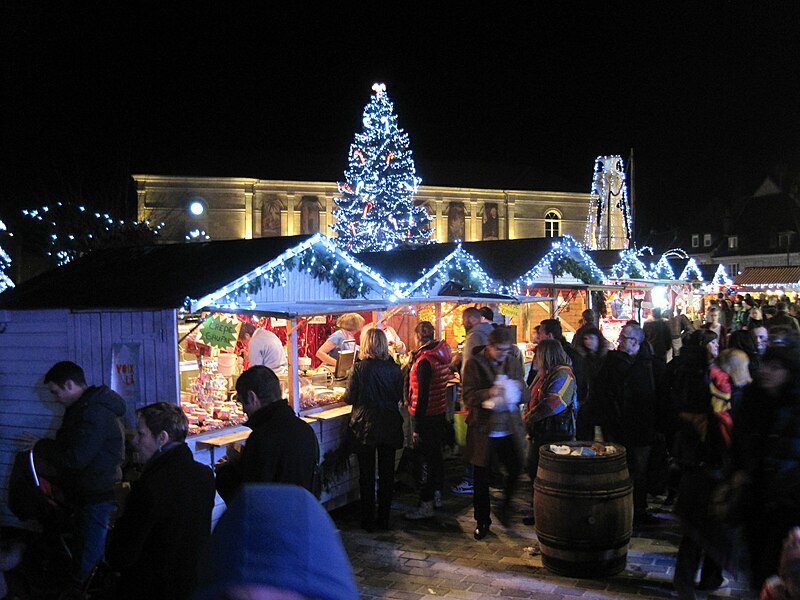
459	266
630	266
690	269
721	277
318	257
567	248
662	269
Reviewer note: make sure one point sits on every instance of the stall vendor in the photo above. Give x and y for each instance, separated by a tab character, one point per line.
263	348
344	338
396	344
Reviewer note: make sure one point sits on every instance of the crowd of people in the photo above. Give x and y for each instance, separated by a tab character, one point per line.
708	413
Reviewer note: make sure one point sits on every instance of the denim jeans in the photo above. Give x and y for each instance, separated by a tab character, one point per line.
91	529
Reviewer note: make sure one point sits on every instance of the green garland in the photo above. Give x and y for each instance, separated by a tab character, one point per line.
567	264
345	280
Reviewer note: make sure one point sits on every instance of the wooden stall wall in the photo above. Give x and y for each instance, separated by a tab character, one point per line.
32	341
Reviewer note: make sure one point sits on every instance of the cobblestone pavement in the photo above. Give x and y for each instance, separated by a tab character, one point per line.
439	557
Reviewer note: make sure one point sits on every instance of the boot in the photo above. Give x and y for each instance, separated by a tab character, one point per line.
424	511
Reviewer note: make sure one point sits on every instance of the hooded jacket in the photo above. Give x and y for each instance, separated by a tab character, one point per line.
437	354
276	536
89	446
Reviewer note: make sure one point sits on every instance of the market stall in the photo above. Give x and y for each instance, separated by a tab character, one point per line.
118	314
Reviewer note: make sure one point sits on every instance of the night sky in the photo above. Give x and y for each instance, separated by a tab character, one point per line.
708	98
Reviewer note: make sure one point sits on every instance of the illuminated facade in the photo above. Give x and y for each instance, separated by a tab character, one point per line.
233	208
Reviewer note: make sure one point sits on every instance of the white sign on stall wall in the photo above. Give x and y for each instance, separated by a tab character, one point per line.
125	375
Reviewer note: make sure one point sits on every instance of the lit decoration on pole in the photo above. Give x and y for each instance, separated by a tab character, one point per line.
5	263
376	209
609	223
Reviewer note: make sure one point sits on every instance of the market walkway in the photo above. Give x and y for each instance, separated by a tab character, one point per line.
424	560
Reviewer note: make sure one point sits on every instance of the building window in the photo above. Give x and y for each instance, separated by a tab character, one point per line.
784	239
695	240
456	228
733	269
706	240
309	215
491	223
552	224
733	242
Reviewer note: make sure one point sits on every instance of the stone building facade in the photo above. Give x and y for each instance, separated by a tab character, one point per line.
231	208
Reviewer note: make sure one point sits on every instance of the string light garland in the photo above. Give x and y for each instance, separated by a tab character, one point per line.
458	266
197	235
376	209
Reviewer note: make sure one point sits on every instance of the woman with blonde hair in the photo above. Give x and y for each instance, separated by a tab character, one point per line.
375	388
344	338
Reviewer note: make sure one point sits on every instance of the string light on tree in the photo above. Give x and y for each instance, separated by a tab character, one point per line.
5	262
376	209
70	231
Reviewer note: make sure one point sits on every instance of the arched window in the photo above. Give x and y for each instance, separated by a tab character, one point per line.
552	224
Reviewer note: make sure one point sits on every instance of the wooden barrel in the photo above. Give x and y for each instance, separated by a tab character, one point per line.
583	506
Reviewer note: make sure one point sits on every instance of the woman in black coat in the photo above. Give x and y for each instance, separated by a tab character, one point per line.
375	389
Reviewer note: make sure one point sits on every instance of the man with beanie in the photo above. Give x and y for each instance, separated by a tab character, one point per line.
275	541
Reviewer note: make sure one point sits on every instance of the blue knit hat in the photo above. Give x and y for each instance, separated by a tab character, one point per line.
276	535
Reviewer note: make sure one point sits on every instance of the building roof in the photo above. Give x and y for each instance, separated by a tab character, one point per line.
768	276
159	276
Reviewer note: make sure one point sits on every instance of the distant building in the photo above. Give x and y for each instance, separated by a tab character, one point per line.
762	230
233	207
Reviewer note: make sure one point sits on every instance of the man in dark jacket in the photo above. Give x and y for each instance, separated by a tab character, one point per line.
167	519
631	405
87	452
658	334
282	447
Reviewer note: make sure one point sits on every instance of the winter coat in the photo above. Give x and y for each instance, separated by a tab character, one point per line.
479	377
282	449
89	446
437	353
375	390
630	397
167	521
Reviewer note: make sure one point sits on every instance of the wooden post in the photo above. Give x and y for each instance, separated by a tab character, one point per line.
293	378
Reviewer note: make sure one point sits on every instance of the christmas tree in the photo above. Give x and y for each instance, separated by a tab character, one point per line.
376	210
5	264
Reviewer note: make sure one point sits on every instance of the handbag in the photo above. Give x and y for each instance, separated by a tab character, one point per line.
560	427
